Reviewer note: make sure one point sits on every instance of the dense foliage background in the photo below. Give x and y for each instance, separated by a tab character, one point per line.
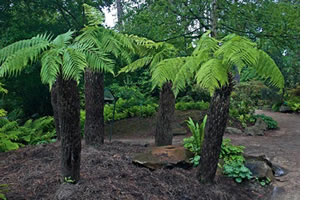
273	25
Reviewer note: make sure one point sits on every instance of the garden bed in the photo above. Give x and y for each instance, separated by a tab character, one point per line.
107	172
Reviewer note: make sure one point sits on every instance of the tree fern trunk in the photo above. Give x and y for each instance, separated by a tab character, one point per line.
69	119
94	97
215	128
54	101
163	134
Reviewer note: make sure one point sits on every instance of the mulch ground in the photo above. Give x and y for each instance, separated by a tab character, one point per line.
107	172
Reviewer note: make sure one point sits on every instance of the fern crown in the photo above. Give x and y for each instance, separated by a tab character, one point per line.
212	60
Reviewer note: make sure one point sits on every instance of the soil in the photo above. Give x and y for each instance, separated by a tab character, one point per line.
107	172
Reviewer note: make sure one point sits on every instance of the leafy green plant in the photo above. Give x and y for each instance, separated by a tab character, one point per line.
237	170
69	180
3	189
271	123
194	143
263	181
195	160
233	159
40	131
231	153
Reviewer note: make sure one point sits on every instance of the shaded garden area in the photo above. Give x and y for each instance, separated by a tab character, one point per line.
177	100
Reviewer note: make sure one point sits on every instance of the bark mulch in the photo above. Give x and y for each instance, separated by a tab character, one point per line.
107	172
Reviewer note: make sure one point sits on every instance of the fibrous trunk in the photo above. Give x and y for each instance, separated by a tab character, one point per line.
54	102
94	105
69	120
215	128
163	134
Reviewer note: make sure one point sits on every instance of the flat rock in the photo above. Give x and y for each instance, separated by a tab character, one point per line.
259	168
258	129
232	130
164	157
285	109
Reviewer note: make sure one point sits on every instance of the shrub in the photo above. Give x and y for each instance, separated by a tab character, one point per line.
271	123
13	136
244	100
3	121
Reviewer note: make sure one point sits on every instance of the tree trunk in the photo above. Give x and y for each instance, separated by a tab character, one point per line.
215	128
214	18
163	134
69	119
54	102
94	105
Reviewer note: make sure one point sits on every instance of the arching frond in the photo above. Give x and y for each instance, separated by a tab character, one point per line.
63	39
107	41
51	62
74	63
15	63
267	68
99	62
137	64
212	75
237	51
15	47
206	45
93	15
166	70
186	73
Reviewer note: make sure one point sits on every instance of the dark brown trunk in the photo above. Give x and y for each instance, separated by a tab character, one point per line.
215	128
54	102
163	134
94	105
69	119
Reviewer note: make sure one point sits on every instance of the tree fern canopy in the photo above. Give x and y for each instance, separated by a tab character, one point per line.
216	58
60	56
166	71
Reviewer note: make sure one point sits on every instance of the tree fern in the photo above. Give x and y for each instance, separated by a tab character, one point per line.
166	70
231	51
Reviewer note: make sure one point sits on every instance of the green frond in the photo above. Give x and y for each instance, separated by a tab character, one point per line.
166	70
99	62
107	41
267	68
206	45
74	63
186	73
93	15
51	62
22	44
63	39
237	51
212	75
15	63
137	64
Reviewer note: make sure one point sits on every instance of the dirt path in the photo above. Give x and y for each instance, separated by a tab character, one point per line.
281	146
